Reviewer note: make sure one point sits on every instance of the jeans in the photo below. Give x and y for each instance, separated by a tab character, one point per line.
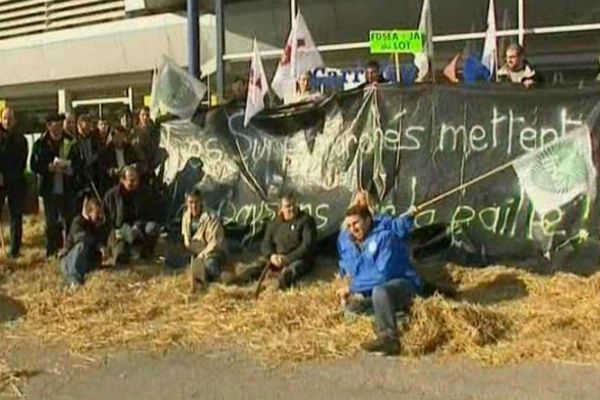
16	199
386	300
80	260
58	218
144	241
212	266
288	276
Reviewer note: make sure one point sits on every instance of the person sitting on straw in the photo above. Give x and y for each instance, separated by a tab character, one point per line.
286	247
86	243
204	239
374	257
130	216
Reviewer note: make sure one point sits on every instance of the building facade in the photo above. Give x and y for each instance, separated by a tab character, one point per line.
97	56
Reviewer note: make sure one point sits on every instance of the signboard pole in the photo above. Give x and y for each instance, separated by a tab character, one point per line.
397	62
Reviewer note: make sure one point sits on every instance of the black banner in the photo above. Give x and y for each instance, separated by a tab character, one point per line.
405	146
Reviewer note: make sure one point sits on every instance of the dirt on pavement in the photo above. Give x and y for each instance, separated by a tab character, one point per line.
224	375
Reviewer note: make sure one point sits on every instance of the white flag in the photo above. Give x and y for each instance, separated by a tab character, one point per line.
300	55
176	91
489	57
557	173
257	86
423	58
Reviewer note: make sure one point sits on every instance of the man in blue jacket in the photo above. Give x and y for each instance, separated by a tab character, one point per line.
374	257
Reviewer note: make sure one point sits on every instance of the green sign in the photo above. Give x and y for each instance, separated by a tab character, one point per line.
395	41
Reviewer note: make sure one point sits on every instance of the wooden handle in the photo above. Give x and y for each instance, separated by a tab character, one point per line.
464	185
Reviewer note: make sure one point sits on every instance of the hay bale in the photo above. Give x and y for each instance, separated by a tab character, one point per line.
501	314
10	309
441	325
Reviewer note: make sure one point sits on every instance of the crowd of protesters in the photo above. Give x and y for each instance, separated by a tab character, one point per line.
99	184
75	160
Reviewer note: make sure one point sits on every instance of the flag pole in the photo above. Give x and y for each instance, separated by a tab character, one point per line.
397	62
465	185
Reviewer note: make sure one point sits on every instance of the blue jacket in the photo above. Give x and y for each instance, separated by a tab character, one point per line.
382	257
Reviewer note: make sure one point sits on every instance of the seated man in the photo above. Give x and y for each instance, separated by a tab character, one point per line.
375	258
130	218
204	238
86	243
287	245
517	70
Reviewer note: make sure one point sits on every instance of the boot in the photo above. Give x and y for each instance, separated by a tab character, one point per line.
197	276
383	345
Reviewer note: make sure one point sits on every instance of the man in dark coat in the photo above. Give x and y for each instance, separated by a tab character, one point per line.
86	243
54	159
130	217
13	160
113	158
287	246
88	148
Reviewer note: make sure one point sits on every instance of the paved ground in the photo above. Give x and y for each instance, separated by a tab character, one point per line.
178	375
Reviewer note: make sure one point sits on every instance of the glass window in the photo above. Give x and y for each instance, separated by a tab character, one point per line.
564	57
561	12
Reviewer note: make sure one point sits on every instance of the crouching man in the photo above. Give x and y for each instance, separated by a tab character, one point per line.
374	257
130	219
286	247
86	243
204	238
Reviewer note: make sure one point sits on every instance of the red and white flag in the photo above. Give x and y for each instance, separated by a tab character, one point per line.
300	55
450	70
257	86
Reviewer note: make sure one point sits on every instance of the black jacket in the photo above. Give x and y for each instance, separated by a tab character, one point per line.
88	168
107	161
44	151
294	239
146	143
13	158
85	231
117	213
96	146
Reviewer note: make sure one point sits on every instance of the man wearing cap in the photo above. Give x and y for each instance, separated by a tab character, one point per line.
52	158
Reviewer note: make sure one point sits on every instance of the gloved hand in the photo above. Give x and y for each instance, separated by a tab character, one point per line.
124	233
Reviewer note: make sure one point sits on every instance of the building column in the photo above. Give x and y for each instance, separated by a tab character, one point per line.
64	101
193	31
220	16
